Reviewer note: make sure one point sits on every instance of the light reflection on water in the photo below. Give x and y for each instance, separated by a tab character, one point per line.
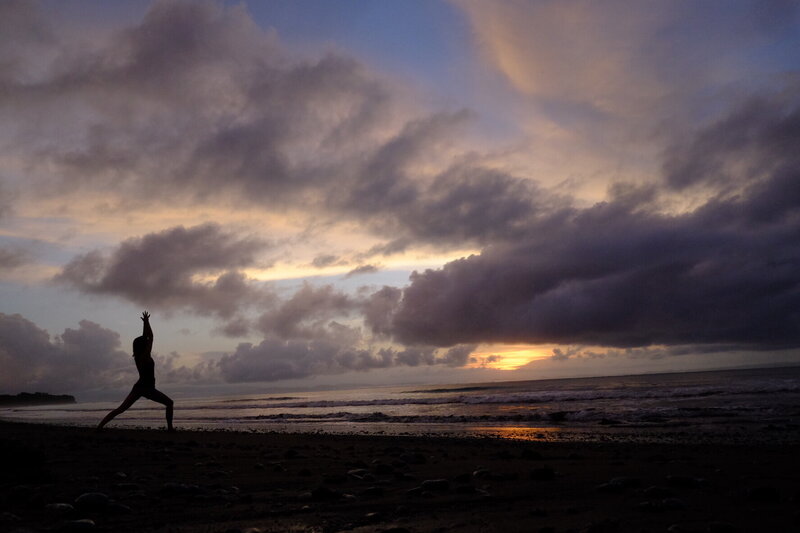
517	432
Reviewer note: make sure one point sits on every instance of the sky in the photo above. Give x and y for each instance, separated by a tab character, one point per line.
317	194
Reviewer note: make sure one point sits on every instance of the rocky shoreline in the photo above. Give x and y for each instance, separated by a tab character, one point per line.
76	479
34	398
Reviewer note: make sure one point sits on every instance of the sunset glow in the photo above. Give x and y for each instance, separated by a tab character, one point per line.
386	192
508	357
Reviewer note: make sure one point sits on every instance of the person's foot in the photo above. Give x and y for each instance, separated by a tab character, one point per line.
171	430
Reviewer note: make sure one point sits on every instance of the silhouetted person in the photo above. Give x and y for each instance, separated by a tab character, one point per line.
146	386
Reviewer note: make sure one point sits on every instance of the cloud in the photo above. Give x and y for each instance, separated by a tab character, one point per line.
274	359
619	274
751	146
90	356
306	314
325	260
595	89
363	269
155	115
379	308
393	246
12	257
160	269
195	103
618	60
77	359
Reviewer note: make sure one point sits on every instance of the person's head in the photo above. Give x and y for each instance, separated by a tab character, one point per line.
140	346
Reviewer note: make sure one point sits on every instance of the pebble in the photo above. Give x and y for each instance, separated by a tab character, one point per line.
127	486
672	503
334	479
92	501
619	484
324	493
291	453
118	508
84	524
414	458
531	455
59	508
180	488
383	469
372	492
684	481
413	493
763	495
667	504
721	527
438	485
604	526
657	492
544	473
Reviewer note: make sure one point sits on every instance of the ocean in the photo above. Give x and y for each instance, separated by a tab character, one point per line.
746	404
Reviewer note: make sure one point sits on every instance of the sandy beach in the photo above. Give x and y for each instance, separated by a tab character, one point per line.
75	479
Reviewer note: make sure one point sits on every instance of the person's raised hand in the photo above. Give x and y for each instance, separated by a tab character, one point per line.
145	316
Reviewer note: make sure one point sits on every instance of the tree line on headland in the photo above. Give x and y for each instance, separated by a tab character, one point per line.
34	398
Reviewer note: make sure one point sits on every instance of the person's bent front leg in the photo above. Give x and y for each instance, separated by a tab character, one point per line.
126	403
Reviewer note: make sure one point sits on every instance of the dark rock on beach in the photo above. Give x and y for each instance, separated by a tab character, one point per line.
435	485
544	473
84	524
92	501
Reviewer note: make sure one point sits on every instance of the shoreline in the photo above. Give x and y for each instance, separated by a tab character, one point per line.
730	432
219	481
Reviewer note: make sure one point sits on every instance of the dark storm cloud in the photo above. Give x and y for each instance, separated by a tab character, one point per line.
80	358
307	313
379	307
310	333
618	274
195	101
159	270
464	203
196	104
755	143
274	359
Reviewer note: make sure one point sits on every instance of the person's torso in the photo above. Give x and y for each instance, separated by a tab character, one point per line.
146	367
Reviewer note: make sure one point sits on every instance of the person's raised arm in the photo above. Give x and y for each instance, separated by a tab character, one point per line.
147	331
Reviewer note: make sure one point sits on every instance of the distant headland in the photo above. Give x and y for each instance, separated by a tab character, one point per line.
34	398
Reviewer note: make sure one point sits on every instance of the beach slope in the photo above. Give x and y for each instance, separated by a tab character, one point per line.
75	479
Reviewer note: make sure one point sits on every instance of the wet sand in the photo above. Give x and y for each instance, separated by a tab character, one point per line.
75	479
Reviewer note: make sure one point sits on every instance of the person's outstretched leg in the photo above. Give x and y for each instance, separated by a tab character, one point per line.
158	396
126	403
